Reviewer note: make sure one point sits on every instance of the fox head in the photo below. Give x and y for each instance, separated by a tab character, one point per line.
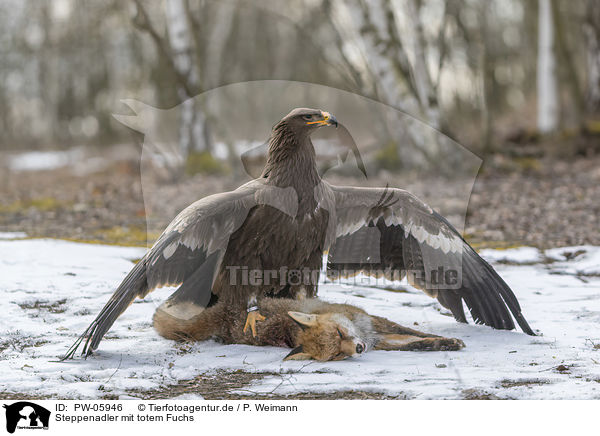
328	336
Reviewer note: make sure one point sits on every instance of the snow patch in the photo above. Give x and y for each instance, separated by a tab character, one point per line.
583	260
52	289
513	255
76	158
12	235
40	160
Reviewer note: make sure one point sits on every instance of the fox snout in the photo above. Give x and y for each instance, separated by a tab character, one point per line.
352	347
328	336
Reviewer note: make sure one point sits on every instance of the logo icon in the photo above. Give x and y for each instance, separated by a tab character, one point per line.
26	415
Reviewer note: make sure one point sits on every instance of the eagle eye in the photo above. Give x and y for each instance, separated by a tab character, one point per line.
307	117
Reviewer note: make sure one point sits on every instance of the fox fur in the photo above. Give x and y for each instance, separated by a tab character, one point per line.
314	329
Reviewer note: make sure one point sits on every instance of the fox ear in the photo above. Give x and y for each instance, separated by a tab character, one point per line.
304	319
298	354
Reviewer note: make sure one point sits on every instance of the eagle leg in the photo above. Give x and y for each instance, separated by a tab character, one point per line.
251	320
253	316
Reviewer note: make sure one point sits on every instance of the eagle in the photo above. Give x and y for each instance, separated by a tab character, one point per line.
268	238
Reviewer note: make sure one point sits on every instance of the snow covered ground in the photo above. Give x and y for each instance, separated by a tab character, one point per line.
43	160
51	289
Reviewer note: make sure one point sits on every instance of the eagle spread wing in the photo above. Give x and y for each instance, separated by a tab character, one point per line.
377	231
187	253
390	232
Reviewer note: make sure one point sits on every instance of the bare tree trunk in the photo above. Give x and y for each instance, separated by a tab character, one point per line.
222	27
398	82
423	83
193	135
592	33
568	73
487	78
180	41
383	51
547	91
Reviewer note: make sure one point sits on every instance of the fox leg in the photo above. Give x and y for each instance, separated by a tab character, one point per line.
383	325
393	341
393	336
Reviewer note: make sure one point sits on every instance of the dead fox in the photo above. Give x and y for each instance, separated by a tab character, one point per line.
314	329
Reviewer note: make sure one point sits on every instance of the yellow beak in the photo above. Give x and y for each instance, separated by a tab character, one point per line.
328	120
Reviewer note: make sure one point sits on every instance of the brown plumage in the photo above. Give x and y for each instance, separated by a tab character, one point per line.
284	222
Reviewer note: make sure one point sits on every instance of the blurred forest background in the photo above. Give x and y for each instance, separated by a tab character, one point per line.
515	81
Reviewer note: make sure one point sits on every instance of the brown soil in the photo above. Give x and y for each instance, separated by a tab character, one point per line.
548	204
236	386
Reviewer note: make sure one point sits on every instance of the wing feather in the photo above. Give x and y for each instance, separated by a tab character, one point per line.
187	253
416	241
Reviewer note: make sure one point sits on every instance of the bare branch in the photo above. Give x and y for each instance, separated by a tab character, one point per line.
142	22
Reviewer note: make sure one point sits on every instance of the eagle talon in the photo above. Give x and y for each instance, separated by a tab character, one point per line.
251	320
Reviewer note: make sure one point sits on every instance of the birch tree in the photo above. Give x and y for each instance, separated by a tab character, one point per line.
402	81
547	90
222	26
592	33
193	130
178	51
